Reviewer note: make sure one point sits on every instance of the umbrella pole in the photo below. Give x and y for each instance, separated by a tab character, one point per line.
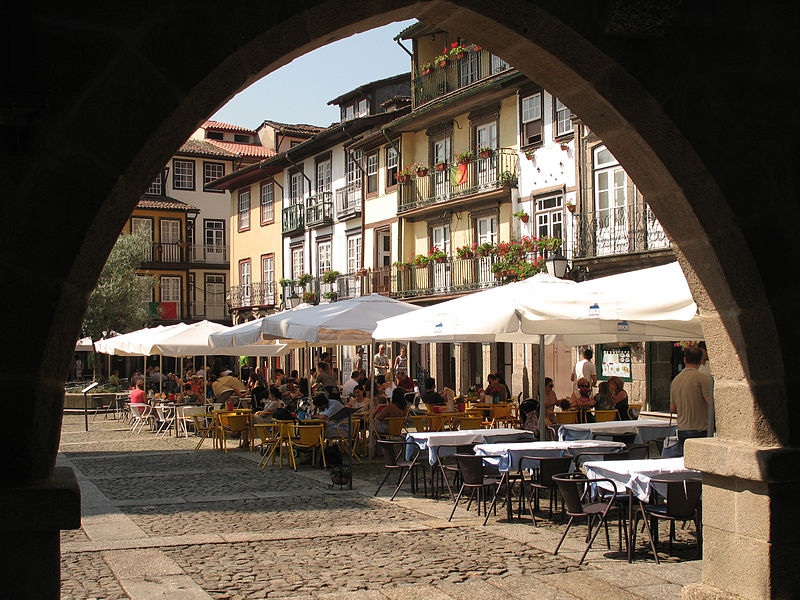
372	396
205	380
542	409
161	372
308	375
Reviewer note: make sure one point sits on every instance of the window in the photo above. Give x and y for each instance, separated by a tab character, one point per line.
144	226
267	203
349	113
610	203
294	143
170	289
214	135
170	237
155	188
298	262
440	238
245	281
498	64
215	296
353	253
190	232
268	278
241	138
323	257
244	210
296	188
468	70
372	173
212	171
550	216
182	174
391	167
441	152
563	119
324	175
363	107
532	119
353	170
486	230
214	239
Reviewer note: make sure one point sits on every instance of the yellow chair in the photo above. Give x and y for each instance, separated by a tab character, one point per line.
205	427
470	422
566	417
633	411
342	438
420	422
501	416
307	436
231	423
285	434
396	426
269	434
601	416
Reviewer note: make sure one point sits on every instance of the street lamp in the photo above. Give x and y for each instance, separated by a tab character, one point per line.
293	300
556	264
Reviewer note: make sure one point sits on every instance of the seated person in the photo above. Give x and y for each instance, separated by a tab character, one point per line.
192	387
327	409
396	408
114	379
350	384
603	399
388	386
431	397
358	399
273	402
325	377
137	393
227	382
495	388
583	400
405	382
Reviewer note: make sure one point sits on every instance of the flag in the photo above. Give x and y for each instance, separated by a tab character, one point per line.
168	310
462	174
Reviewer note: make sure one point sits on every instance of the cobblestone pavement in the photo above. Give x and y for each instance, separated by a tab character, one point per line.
160	520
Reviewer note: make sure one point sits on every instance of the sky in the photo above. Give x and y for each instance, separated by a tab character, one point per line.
299	92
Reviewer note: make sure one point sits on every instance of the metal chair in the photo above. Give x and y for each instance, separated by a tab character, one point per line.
574	487
542	479
394	452
474	479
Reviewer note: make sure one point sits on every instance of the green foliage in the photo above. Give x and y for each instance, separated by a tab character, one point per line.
117	302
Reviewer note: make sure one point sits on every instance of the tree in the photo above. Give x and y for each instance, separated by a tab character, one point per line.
117	302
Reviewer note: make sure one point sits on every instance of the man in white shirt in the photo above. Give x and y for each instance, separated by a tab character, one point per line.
350	385
380	364
584	369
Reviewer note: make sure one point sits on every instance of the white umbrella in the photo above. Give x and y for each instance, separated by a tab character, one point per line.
84	345
194	340
249	334
130	344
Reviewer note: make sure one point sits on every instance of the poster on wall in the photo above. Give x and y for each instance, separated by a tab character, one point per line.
615	362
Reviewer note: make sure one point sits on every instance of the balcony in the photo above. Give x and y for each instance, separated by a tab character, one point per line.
319	210
171	252
477	177
213	254
213	311
620	230
254	294
292	219
475	66
348	201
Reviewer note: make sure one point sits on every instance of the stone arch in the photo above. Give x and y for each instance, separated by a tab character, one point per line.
105	100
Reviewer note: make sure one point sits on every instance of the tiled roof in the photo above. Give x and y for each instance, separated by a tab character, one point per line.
300	129
371	85
203	148
165	203
252	150
226	127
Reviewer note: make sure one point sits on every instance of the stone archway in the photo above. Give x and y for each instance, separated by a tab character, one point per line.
103	100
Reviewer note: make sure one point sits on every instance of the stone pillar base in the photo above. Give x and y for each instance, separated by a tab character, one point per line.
698	591
32	518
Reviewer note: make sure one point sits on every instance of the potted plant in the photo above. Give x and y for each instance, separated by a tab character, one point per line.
463	158
571	207
442	59
522	215
465	251
426	68
564	145
420	169
529	154
404	175
484	249
421	261
458	51
304	279
362	272
283	282
485	152
497	270
401	266
331	296
310	297
330	276
476	48
507	177
437	255
440	166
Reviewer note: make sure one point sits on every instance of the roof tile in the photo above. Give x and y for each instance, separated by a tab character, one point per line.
218	125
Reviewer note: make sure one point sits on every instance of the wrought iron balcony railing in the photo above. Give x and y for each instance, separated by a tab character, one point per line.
473	67
619	230
253	294
215	311
169	252
319	209
216	254
459	181
292	219
348	201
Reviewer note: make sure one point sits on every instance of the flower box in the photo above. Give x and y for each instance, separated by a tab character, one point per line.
422	172
459	55
571	208
440	166
403	267
441	259
467	255
404	178
486	153
442	63
427	71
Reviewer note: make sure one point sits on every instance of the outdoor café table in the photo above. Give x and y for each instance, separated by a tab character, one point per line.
634	476
430	440
506	456
645	429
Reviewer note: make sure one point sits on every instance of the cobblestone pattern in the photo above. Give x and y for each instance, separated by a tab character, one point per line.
73	535
86	576
358	562
105	465
269	514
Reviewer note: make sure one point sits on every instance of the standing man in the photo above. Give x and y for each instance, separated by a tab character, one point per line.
689	395
381	365
584	369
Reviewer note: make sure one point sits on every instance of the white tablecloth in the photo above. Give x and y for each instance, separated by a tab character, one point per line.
635	475
645	429
430	440
510	453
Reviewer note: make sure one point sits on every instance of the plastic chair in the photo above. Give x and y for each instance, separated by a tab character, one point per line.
602	416
501	416
682	503
574	487
475	480
394	452
566	417
166	416
308	437
141	414
633	411
344	438
542	479
269	434
285	433
396	426
470	422
231	423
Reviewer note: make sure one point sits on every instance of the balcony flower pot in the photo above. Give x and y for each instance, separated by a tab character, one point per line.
564	146
422	172
498	275
362	272
403	267
524	218
467	255
486	153
404	178
477	48
571	208
440	166
440	259
442	62
459	55
427	71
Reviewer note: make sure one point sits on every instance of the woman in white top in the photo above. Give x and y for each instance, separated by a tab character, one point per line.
389	385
